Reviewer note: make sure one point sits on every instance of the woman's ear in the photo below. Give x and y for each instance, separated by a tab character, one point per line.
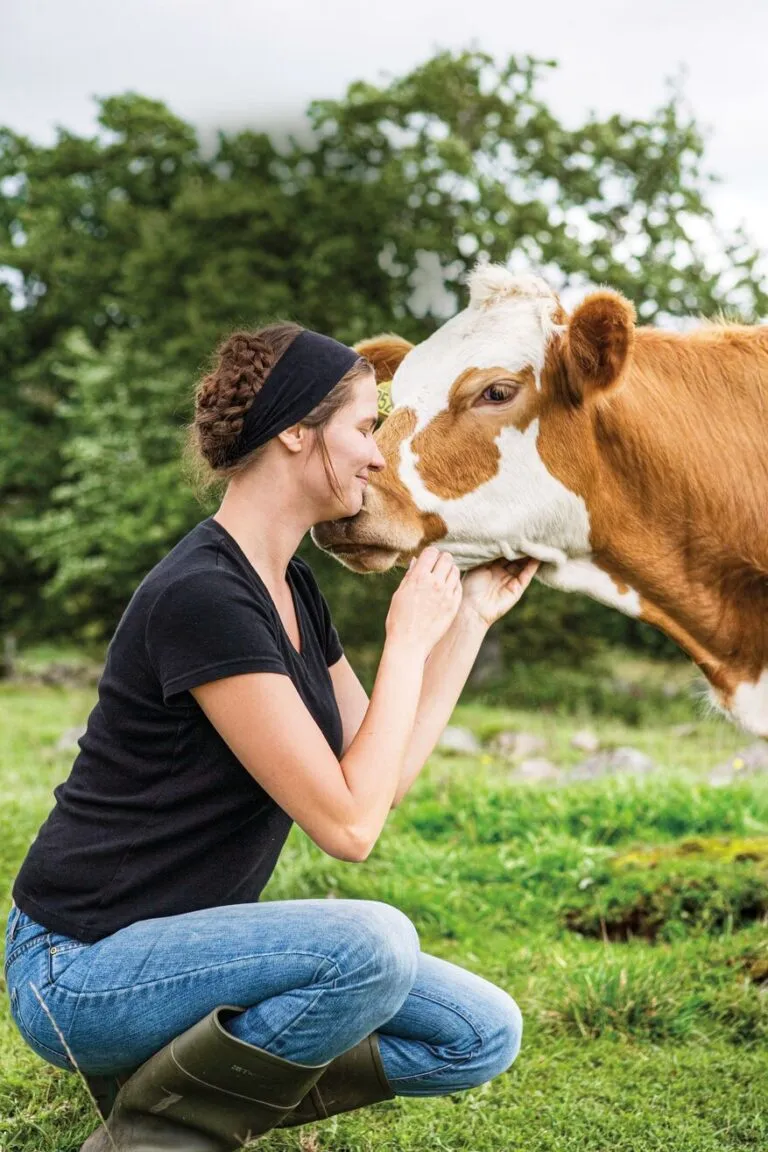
385	353
294	438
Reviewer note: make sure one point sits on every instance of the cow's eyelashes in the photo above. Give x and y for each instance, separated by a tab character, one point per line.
499	393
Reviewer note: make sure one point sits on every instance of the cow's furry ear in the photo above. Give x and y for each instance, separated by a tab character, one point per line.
597	343
385	352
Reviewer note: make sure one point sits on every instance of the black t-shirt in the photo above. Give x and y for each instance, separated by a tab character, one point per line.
158	816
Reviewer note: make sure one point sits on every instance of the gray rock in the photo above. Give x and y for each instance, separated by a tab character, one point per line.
613	762
585	740
751	761
623	687
537	769
756	757
67	742
460	741
517	745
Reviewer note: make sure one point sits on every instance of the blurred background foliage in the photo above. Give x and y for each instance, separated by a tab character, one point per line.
125	257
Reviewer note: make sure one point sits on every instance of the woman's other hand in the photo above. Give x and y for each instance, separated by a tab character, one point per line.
490	590
426	601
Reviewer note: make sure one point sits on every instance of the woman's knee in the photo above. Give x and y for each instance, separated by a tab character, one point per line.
380	950
502	1037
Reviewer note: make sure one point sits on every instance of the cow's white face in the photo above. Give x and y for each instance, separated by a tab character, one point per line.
465	466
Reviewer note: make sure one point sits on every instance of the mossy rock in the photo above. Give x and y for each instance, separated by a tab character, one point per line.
663	892
719	849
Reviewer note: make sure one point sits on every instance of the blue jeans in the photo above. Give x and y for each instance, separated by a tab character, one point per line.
314	978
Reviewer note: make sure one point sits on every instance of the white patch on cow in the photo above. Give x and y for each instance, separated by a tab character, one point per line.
511	334
750	705
583	575
521	511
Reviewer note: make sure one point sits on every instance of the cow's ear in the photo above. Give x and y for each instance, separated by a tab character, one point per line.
597	344
385	353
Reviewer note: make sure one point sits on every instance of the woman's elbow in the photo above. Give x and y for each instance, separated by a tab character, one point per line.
353	845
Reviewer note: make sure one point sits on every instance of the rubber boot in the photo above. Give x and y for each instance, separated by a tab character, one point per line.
206	1091
352	1080
104	1089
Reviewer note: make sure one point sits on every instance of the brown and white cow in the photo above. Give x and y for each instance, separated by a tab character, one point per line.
633	462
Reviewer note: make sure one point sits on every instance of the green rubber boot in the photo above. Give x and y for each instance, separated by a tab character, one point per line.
104	1090
206	1091
351	1081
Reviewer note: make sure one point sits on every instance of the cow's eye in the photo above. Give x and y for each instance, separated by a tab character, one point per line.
498	393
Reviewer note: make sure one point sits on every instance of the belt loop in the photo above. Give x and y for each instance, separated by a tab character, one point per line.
13	921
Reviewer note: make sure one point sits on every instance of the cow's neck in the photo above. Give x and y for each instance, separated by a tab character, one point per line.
673	472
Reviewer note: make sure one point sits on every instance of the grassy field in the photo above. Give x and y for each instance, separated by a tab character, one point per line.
642	976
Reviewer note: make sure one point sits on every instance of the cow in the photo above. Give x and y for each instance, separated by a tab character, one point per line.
631	461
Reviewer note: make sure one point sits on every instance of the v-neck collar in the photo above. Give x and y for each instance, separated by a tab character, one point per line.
299	653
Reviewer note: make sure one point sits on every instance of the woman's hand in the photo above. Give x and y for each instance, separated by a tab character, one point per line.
426	601
492	589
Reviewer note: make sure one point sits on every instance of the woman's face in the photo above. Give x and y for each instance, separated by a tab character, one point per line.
351	448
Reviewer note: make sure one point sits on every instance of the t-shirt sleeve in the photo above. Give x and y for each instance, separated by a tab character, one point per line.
208	625
332	645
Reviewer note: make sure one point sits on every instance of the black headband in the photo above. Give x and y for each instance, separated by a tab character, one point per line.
305	373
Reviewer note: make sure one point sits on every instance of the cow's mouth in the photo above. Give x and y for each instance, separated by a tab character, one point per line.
363	558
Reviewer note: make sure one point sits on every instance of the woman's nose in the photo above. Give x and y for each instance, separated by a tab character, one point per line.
378	462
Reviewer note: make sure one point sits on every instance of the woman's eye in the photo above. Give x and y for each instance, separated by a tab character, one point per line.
497	393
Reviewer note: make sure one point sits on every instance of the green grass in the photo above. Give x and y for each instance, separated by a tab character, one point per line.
631	1044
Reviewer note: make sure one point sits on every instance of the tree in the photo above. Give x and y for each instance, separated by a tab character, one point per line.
127	256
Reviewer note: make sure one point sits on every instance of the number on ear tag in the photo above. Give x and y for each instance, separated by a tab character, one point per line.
385	399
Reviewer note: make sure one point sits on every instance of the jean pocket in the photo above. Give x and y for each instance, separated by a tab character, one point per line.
22	946
26	1012
62	950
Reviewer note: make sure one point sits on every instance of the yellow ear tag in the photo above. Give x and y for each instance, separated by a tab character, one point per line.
385	399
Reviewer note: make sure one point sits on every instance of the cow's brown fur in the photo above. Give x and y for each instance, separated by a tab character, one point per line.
457	451
674	471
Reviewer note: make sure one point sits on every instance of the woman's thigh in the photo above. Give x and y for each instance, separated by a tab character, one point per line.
123	998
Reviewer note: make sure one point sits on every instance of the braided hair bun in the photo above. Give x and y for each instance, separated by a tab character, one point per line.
225	394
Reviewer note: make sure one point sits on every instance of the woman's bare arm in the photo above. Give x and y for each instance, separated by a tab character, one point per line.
342	805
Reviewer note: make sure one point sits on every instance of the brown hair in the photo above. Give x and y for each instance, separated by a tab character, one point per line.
223	396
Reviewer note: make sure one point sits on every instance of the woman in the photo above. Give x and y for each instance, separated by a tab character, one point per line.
136	947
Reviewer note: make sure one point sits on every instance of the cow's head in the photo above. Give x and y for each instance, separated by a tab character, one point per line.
466	466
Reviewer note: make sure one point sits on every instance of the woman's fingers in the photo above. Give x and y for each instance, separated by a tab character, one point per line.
428	558
445	565
434	560
529	571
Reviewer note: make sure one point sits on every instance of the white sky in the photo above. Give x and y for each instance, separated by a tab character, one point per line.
257	63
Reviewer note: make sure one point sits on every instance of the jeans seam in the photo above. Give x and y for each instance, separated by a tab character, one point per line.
29	1036
308	1008
13	922
21	950
58	987
446	1064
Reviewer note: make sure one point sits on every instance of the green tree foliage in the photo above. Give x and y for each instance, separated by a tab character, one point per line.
125	257
120	503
